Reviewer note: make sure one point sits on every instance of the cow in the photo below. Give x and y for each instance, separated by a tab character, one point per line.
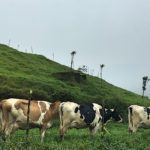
138	116
73	115
108	115
111	114
14	115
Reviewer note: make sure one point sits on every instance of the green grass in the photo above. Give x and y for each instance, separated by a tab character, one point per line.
79	139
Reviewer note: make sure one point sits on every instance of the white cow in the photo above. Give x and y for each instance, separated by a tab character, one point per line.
138	116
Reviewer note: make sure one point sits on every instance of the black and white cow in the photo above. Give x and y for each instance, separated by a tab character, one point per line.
138	116
111	114
73	115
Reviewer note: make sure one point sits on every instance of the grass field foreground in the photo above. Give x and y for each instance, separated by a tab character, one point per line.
79	139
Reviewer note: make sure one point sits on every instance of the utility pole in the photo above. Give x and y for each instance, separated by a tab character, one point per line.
72	57
101	69
103	102
145	80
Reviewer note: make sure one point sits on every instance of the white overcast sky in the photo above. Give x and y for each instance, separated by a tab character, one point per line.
111	32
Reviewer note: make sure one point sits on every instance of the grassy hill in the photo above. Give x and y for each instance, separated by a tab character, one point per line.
20	72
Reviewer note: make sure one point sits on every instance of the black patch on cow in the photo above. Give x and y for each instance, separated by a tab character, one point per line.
106	115
81	117
130	109
116	116
99	120
101	112
148	112
76	109
87	111
111	114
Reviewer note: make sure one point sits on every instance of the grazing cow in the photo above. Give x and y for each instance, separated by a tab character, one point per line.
111	114
73	115
138	116
14	115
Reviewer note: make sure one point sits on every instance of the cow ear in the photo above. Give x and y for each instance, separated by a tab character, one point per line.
52	105
115	108
55	104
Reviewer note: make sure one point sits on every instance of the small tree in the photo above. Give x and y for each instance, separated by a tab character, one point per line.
72	58
83	69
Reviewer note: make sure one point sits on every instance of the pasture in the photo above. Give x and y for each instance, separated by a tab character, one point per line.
23	72
79	139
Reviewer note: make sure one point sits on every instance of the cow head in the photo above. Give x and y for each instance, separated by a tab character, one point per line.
112	114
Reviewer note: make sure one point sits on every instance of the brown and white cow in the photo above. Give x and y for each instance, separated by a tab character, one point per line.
14	115
138	116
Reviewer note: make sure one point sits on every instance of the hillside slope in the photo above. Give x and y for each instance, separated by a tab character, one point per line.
20	72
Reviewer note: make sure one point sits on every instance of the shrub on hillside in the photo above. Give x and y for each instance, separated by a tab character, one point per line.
40	95
7	92
63	95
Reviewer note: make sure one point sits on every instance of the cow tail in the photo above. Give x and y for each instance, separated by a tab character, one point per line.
130	112
61	114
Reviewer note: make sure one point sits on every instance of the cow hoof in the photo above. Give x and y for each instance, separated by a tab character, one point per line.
61	137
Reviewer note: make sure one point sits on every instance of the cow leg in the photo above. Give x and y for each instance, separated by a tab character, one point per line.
132	129
8	131
3	130
5	120
42	132
62	131
15	127
135	125
6	125
10	127
94	129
